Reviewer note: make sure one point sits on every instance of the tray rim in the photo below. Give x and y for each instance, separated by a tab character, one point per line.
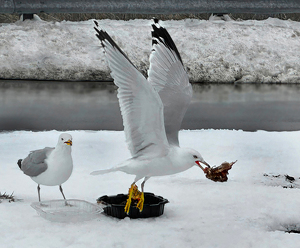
164	200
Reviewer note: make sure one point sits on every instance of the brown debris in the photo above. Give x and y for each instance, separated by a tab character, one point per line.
219	174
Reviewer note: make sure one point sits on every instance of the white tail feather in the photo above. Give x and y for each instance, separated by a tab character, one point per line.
101	172
120	167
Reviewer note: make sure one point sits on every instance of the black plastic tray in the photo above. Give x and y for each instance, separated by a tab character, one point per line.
114	206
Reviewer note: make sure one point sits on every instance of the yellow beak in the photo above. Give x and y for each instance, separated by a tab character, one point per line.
69	142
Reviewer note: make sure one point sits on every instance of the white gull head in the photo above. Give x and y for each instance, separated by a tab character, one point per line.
64	140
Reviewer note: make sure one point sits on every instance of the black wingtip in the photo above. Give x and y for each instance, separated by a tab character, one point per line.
20	163
100	34
155	20
104	37
160	34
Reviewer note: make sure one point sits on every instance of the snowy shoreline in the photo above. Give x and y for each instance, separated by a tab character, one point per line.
217	51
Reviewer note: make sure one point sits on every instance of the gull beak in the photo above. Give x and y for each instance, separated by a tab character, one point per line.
69	142
203	162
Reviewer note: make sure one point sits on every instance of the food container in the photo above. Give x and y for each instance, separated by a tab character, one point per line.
114	206
67	210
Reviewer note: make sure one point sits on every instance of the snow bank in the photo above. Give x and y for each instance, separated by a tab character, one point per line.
213	51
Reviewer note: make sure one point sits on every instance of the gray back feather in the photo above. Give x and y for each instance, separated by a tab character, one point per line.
34	164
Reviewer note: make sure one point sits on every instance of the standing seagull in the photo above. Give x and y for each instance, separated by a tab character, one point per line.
152	110
50	166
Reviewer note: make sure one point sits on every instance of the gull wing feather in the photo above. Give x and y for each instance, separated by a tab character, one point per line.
170	80
34	164
141	107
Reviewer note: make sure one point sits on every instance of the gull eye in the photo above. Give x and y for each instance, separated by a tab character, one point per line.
62	138
195	156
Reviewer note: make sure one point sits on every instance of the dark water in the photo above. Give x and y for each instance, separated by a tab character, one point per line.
35	105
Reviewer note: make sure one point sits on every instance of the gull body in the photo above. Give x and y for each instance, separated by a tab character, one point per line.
152	109
175	161
50	166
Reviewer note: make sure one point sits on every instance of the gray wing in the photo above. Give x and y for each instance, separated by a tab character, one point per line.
170	80
34	164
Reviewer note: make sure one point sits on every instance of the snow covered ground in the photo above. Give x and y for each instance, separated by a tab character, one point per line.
249	210
212	51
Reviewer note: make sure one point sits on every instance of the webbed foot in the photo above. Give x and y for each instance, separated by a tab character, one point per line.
128	203
140	204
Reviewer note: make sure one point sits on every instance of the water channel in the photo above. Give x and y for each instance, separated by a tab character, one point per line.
47	105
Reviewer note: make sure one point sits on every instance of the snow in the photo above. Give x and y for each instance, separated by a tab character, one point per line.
249	210
212	50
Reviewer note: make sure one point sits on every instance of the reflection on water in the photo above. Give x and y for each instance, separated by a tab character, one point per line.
34	105
246	92
56	105
249	107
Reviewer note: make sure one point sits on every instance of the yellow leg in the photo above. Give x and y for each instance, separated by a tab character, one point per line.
128	203
140	204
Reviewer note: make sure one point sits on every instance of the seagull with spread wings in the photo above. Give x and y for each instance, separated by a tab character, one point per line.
152	110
